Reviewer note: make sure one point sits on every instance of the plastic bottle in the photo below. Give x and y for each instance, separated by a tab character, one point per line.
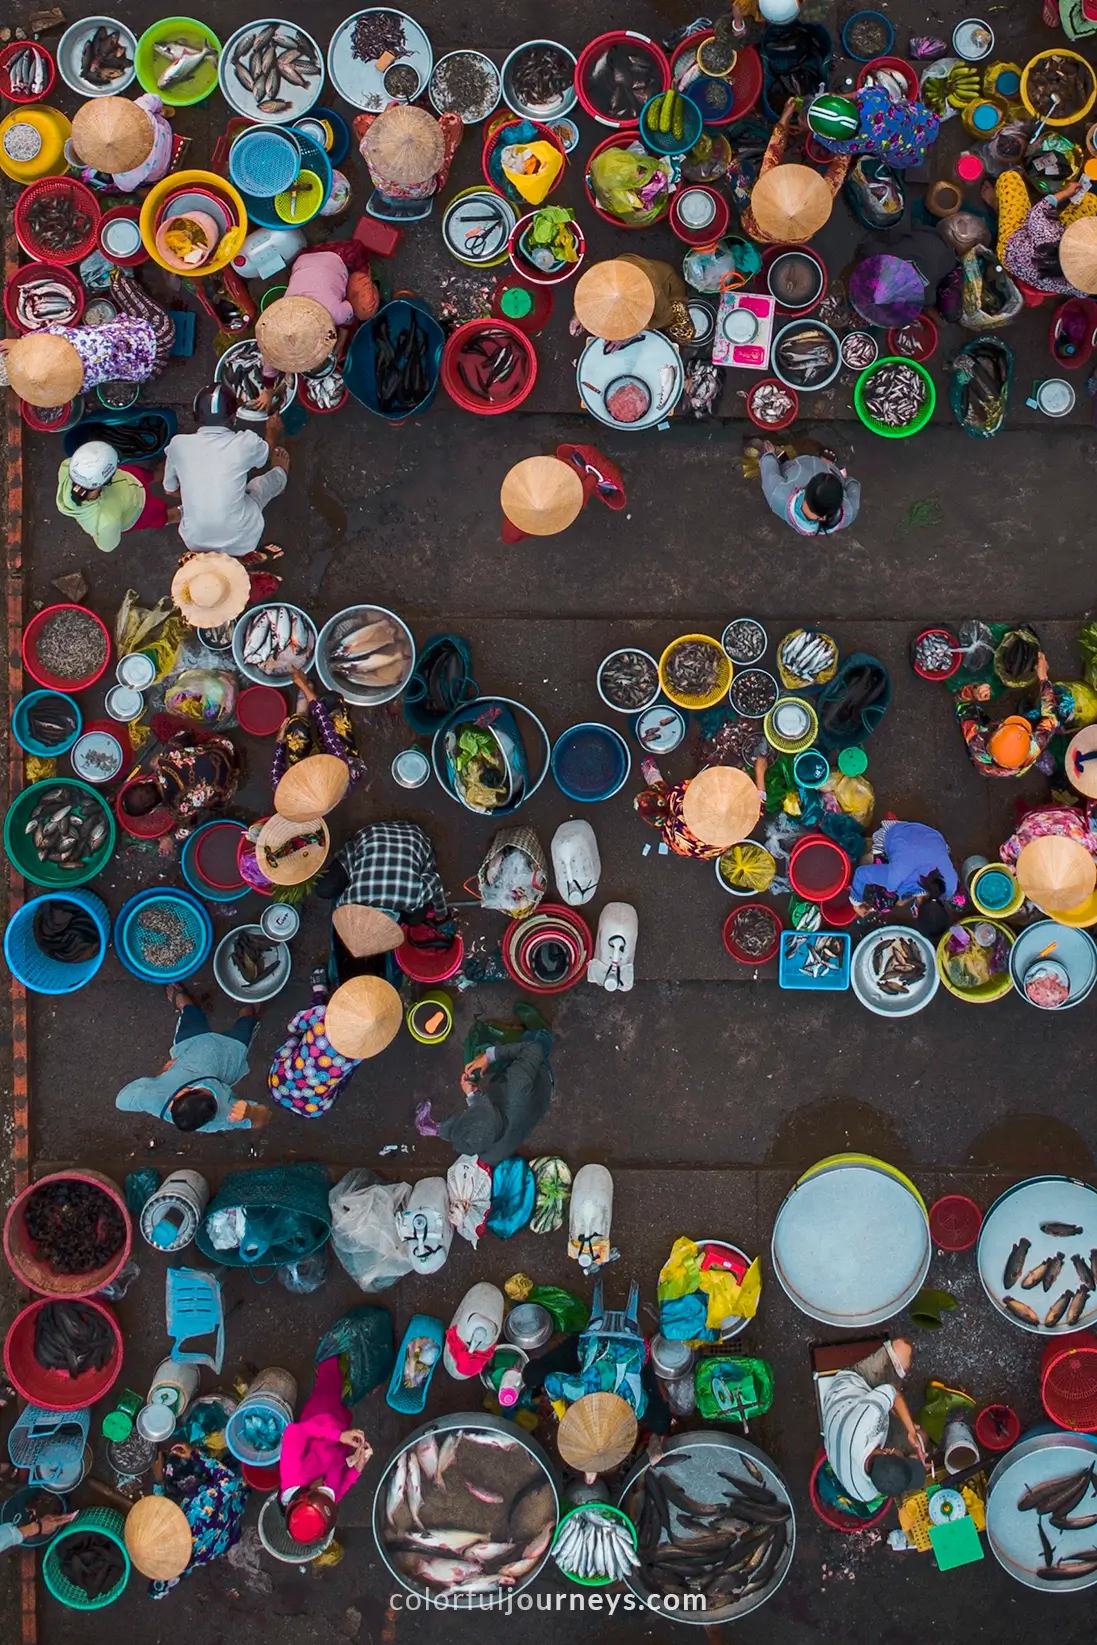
267	251
510	1388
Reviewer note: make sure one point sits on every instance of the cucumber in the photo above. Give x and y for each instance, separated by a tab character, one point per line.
667	111
678	118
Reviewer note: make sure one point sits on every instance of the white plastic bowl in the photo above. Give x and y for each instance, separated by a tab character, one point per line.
70	50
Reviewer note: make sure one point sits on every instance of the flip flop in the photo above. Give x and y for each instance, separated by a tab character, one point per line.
552	1181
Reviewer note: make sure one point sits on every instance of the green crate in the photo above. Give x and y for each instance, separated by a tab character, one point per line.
872	423
109	1523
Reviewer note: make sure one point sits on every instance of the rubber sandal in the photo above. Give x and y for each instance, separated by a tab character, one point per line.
416	1360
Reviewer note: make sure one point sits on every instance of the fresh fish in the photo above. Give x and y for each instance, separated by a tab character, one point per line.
1035	1275
446	1453
1084	1272
1079	1305
486	1553
1058	1309
1015	1263
1054	1268
415	1489
397	1486
483	1584
1068	1570
492	1498
282	624
1020	1310
185	61
1064	1522
1060	1230
494	1441
453	1541
1056	1496
427	1453
443	1573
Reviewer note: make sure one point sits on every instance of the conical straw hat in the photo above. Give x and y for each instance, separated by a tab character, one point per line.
1057	873
541	495
1078	254
366	931
311	788
302	864
295	334
790	203
1085	780
614	300
362	1017
211	589
45	370
112	134
404	145
597	1433
158	1538
721	806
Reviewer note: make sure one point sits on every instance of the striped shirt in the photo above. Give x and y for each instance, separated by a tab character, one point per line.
855	1423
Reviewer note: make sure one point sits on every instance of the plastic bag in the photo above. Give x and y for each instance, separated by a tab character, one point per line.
469	1185
512	1197
629	184
532	168
729	1298
855	796
874	192
364	1232
425	1226
990	298
205	695
1077	704
681	1273
569	1312
980	378
303	1277
725	267
1087	645
363	1339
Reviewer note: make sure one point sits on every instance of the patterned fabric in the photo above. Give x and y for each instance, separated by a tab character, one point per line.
212	1495
307	1073
899	133
978	728
131	349
195	777
1071	822
391	866
662	808
325	727
833	177
1023	227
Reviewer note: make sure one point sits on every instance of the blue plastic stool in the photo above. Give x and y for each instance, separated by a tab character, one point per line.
412	1400
195	1309
50	1445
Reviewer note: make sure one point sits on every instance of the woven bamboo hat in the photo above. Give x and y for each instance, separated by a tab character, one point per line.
597	1433
299	865
721	806
1057	873
1078	254
366	931
362	1017
295	334
158	1538
791	203
112	134
614	300
311	788
1085	778
45	370
404	145
211	589
541	495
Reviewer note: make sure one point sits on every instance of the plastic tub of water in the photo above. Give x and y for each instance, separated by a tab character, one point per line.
994	890
590	762
811	768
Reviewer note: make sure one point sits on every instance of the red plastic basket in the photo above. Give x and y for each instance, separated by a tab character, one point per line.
954	1222
451	378
729	940
838	911
746	78
619	140
997	1427
1068	1381
834	1517
790	417
1086	309
928	338
7	58
604	42
260	710
41	271
57	188
712	232
544	133
30	649
56	1390
152	826
818	868
899	66
52	419
431	964
30	1270
927	674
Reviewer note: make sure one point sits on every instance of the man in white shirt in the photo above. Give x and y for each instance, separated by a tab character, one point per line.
222	509
866	1419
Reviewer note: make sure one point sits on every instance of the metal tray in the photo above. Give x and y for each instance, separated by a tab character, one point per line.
1017	1214
1013	1536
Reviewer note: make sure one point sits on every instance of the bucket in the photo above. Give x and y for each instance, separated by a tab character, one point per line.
810	769
732	947
170	1217
453	381
105	1522
56	1390
954	1222
260	710
423	1017
41	972
960	1449
1068	1381
272	1394
818	868
174	1383
994	890
997	1427
261	1479
275	1537
209	861
831	1514
838	911
431	964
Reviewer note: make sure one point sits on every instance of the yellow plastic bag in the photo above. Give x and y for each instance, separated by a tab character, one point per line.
680	1275
730	1298
532	168
748	866
855	795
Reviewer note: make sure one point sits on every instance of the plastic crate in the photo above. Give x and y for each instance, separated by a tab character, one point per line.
791	974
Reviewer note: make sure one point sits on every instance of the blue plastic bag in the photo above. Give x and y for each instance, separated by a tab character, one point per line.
513	1192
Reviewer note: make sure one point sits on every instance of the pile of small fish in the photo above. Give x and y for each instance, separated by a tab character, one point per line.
895	394
932	652
73	1225
66	932
162	936
1065	79
241	370
1055	1500
104	58
67	827
327	393
56	223
809	655
266	57
898	965
770	403
185	59
745	640
621	80
629	679
492	366
693	668
753	931
401	80
820	956
1070	1305
400	366
377	34
51	720
277	639
469	1511
753	693
541	78
118	394
465	83
911	340
595	1545
28	72
859	349
808	354
867	35
727	1550
71	1337
255	957
374	653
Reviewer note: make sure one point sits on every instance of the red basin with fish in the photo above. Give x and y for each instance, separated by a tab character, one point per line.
469	361
589	56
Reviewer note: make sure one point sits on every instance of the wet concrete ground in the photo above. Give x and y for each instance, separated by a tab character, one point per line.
705	1100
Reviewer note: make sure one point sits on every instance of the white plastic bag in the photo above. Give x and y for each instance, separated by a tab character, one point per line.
364	1232
469	1185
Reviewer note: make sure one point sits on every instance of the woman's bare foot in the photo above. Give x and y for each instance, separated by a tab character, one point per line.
178	998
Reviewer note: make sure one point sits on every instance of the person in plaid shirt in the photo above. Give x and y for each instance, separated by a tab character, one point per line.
390	866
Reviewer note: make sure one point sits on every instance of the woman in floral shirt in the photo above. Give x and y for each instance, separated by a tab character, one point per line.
49	368
898	133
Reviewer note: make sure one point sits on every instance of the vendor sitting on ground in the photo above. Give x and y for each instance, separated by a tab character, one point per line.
385	879
318	725
811	494
911	865
221	507
107	499
50	367
869	1435
900	133
193	1090
1030	236
796	206
702	816
196	771
508	1091
1009	745
337	276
